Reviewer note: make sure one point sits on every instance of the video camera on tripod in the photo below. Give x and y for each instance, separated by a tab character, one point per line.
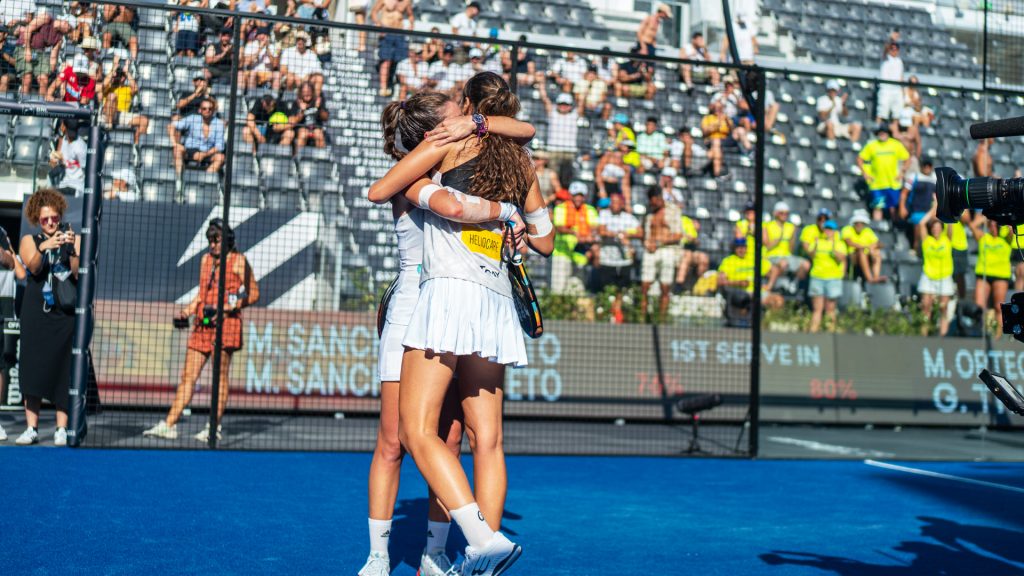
1001	200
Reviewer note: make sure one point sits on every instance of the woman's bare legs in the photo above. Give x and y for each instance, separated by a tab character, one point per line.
194	362
481	390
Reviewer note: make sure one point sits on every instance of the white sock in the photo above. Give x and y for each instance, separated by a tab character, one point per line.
471	521
380	533
437	535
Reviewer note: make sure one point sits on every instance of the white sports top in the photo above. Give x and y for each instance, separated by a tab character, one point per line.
409	230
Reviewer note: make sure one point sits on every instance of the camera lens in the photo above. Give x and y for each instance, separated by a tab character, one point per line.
955	194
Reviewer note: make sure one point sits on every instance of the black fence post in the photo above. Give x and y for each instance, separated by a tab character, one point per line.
229	149
513	77
77	425
755	316
984	45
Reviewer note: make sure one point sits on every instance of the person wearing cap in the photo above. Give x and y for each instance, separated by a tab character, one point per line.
186	30
828	266
831	110
299	64
91	50
218	59
916	197
575	227
697	50
883	162
780	246
592	95
620	130
716	127
647	33
568	70
477	64
651	146
267	123
636	76
413	73
563	127
392	48
811	232
118	91
736	279
667	185
617	229
937	268
662	234
890	96
864	247
72	153
259	62
613	176
629	156
547	179
465	23
993	270
442	73
75	82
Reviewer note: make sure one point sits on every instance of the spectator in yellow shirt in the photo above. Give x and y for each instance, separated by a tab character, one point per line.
828	265
883	161
811	232
780	245
993	270
937	274
716	127
865	249
736	279
1013	235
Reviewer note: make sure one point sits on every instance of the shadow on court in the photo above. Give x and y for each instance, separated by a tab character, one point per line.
952	548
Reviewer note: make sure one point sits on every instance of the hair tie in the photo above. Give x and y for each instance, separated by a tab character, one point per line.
401	105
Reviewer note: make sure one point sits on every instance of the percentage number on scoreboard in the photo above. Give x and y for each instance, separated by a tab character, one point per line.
830	389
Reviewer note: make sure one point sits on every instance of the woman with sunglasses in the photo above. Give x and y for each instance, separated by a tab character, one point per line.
240	292
47	329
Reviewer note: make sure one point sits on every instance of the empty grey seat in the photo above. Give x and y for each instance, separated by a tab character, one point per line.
200	187
29	157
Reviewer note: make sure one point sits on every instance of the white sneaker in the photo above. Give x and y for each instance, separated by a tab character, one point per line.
3	434
204	434
499	554
162	430
377	564
60	437
435	564
29	436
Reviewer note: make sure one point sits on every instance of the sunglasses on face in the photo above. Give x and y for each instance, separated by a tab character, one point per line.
213	239
48	220
206	109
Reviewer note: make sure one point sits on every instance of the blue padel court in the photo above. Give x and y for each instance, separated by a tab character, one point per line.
188	512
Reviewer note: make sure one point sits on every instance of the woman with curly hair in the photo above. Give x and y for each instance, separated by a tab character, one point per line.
47	329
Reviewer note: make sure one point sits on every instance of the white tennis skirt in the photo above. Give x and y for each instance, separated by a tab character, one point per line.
464	318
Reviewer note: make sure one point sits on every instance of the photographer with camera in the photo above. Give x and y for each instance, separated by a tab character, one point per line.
47	312
240	292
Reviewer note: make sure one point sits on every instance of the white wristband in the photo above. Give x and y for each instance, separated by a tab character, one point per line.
425	193
540	220
508	210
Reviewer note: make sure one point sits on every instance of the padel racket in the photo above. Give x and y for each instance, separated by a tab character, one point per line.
523	295
382	308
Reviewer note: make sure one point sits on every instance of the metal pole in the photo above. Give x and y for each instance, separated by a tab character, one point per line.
513	77
77	425
229	145
984	46
755	337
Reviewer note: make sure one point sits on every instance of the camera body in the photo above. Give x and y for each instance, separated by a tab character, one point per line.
998	199
208	317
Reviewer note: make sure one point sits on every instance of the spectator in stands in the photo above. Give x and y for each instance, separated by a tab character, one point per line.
525	68
828	266
883	162
118	91
647	34
309	115
937	268
74	82
730	99
8	59
981	162
667	184
478	64
433	47
612	176
442	73
745	226
916	198
547	179
662	234
993	270
620	130
393	47
465	23
203	141
300	65
780	247
575	224
592	95
123	186
811	232
413	73
568	70
189	103
832	110
91	50
736	279
961	265
47	330
563	128
40	46
636	77
717	128
257	6
890	96
651	146
120	22
267	123
771	111
864	247
71	154
259	62
746	41
218	59
689	157
690	256
607	68
617	229
697	50
186	30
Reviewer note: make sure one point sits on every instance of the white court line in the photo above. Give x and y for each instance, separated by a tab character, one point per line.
829	448
940	475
